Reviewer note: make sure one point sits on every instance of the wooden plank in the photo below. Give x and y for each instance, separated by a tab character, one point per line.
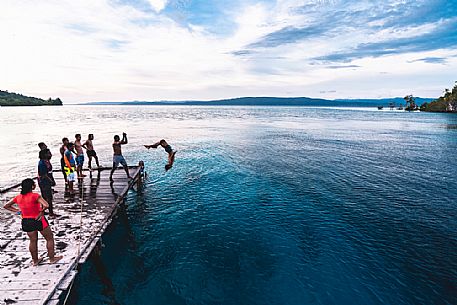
76	233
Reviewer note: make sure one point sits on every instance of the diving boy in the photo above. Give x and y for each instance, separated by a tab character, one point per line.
168	149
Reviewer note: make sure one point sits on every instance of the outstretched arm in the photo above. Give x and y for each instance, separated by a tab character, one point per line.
155	145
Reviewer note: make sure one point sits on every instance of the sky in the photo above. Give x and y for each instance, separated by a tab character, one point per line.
151	50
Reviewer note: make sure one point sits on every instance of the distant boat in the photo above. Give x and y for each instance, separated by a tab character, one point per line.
400	107
380	107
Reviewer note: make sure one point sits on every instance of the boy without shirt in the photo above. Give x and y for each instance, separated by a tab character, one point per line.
117	155
79	156
171	153
89	146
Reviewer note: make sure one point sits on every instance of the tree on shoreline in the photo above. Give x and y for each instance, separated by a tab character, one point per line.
410	103
15	99
445	103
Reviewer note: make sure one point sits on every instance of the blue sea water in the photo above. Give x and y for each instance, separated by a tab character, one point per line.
277	205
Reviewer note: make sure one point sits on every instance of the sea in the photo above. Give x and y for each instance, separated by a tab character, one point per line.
264	205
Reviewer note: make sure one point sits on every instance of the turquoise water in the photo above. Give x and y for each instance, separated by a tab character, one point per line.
277	206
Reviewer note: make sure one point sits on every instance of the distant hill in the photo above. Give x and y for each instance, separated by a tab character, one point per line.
15	99
276	101
445	103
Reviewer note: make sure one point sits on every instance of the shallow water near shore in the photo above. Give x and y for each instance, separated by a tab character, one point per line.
265	205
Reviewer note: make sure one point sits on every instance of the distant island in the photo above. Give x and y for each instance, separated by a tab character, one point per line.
275	101
15	99
445	103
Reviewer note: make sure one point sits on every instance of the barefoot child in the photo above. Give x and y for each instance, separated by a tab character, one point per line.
117	155
88	145
168	149
79	156
70	167
46	179
62	150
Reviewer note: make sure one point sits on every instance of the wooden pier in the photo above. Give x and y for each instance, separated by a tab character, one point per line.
82	221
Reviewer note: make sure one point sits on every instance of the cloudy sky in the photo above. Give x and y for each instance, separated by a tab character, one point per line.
117	50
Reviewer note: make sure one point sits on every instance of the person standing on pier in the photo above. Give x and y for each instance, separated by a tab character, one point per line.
89	146
31	207
62	150
46	179
79	156
117	155
70	167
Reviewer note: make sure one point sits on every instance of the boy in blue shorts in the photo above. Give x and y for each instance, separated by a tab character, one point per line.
79	156
117	155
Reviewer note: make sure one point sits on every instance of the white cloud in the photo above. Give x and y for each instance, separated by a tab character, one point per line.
158	5
85	51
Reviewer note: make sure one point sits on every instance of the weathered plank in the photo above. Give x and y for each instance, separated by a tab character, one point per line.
83	219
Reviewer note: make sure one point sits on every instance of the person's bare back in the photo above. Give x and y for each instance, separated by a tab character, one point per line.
117	155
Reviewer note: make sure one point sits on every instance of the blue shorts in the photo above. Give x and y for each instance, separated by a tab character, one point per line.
118	159
80	160
71	177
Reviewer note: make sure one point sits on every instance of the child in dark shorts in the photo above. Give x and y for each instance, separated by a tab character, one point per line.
89	146
168	149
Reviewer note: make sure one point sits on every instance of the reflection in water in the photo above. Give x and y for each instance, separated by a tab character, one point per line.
94	183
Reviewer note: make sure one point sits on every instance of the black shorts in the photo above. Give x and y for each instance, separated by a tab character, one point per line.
31	224
62	164
91	153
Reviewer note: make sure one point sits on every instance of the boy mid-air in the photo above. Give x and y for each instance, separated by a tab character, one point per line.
168	149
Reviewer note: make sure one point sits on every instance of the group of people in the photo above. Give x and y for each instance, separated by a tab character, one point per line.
31	206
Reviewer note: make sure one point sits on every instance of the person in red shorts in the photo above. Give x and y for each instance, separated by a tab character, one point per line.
31	207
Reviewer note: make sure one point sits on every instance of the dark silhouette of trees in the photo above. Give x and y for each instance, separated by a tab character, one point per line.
445	103
15	99
410	103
